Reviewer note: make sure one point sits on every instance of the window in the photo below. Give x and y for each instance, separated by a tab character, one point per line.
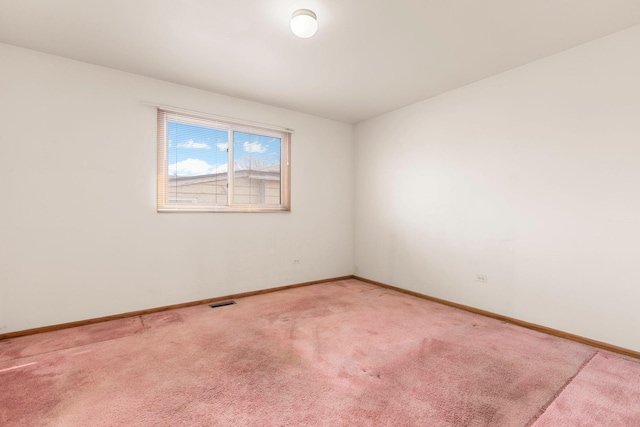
214	165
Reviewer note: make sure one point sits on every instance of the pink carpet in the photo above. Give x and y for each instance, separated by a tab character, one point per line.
337	354
605	393
68	338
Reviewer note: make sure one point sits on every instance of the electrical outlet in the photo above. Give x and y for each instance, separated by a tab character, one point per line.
296	261
482	278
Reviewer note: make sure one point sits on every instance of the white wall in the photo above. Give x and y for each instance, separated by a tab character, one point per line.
531	177
79	233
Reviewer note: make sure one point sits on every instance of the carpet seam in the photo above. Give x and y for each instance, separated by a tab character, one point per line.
67	348
557	394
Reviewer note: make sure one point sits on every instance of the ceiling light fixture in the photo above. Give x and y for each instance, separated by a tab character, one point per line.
304	23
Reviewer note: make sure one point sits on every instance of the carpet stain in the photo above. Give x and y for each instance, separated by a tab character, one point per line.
163	318
27	394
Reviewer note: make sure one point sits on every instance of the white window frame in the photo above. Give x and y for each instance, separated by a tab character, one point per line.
164	205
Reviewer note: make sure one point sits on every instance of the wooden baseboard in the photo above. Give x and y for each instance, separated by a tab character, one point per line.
158	309
535	327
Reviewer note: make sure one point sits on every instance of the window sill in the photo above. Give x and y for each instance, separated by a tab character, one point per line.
236	209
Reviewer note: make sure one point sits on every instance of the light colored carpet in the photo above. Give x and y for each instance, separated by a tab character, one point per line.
337	354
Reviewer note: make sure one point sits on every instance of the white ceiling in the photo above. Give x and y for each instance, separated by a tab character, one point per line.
368	57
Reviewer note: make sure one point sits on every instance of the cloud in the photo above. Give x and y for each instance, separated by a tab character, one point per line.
194	167
254	147
222	146
195	145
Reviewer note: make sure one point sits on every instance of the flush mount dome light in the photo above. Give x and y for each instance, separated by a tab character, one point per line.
304	23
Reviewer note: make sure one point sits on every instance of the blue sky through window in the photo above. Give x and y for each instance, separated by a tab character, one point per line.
252	151
198	150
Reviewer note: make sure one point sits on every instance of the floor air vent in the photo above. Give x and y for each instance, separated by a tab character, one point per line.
221	304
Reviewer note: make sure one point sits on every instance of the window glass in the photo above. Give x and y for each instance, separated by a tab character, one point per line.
194	172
